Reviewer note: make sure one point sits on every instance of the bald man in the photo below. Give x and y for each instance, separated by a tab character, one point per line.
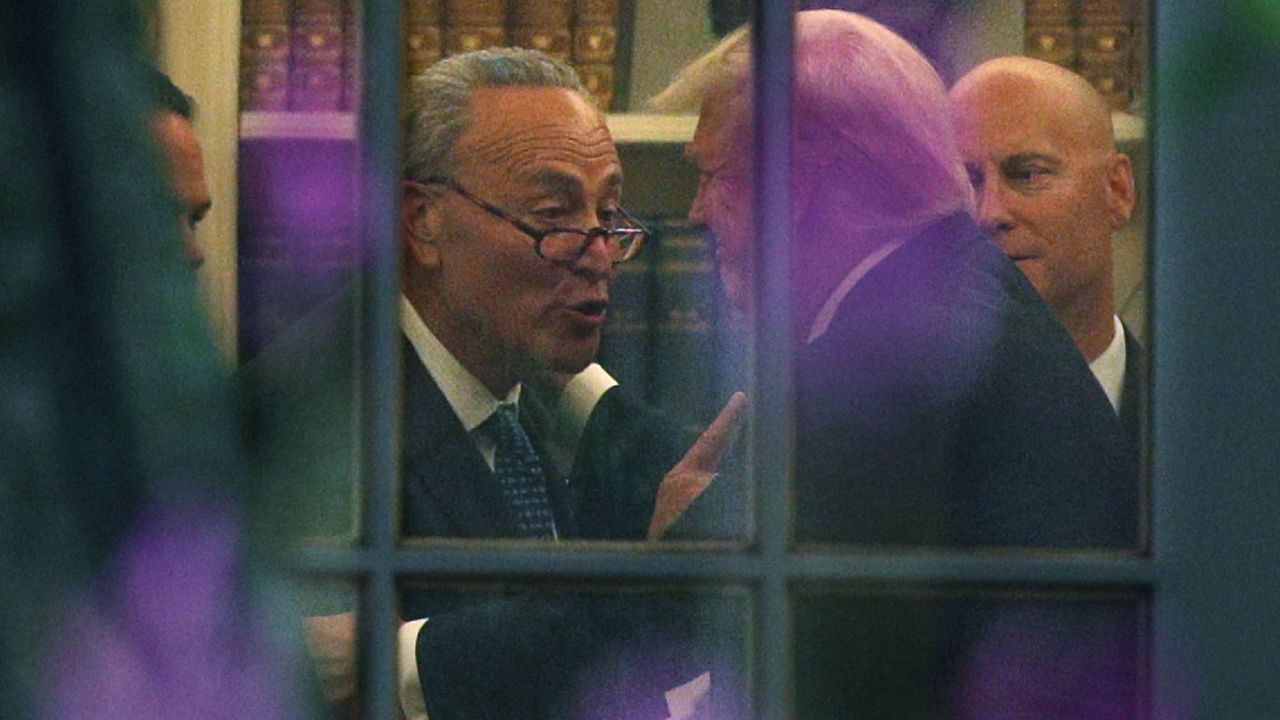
1051	189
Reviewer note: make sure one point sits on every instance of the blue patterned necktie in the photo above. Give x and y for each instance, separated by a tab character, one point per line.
519	474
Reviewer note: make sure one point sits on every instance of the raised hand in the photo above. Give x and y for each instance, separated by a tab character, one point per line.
696	469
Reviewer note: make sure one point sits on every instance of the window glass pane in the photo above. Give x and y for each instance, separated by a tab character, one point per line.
980	653
946	305
509	649
611	351
298	339
325	612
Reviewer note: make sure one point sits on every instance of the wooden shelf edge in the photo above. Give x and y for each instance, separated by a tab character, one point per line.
648	128
1129	128
626	128
257	125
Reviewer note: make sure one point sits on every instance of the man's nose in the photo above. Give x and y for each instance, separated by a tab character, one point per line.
993	215
698	209
595	262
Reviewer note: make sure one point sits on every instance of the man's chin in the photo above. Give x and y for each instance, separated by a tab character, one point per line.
570	356
1034	270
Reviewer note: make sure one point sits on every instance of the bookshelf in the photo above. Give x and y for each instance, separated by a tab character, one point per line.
627	128
264	125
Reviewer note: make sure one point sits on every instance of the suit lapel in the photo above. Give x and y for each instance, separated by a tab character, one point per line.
564	495
1133	396
444	474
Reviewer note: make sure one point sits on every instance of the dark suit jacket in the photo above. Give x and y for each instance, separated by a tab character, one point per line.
1133	399
947	405
515	654
485	653
449	491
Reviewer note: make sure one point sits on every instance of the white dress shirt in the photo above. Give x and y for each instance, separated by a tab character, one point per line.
470	399
827	312
1109	366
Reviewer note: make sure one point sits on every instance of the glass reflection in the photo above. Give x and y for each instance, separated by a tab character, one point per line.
916	653
512	650
938	399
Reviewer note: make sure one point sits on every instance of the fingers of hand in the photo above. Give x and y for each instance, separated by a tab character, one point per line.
675	495
706	452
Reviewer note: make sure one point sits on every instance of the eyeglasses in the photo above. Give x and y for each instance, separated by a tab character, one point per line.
566	245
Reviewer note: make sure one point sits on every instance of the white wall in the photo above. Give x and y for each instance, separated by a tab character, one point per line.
199	47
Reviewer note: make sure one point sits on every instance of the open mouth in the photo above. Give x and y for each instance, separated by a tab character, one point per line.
592	311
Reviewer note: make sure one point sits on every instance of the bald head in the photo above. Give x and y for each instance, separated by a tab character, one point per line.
1051	189
1025	88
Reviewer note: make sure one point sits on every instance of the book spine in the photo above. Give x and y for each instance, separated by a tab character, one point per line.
297	232
264	55
595	47
544	25
684	352
423	38
626	348
1051	32
352	59
1106	49
1138	67
315	77
474	25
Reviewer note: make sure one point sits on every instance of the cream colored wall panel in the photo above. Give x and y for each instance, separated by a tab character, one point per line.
199	49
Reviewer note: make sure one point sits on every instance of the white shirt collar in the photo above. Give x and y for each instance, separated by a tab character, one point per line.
828	311
470	399
1109	366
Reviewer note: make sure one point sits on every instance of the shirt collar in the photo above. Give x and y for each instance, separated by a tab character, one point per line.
828	311
470	399
1109	366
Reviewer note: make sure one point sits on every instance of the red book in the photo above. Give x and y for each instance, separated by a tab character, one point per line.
352	61
423	38
315	76
1106	49
264	54
595	47
544	25
474	25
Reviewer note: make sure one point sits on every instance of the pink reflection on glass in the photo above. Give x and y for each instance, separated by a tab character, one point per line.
168	634
1056	665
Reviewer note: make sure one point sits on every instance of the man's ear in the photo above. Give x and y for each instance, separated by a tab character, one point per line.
423	222
1121	194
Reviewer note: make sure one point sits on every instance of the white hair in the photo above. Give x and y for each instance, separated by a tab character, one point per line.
436	112
872	127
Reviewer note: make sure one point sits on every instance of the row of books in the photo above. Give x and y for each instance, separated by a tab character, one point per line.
303	55
1103	40
667	338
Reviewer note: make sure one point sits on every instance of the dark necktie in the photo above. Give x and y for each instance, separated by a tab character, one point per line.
519	474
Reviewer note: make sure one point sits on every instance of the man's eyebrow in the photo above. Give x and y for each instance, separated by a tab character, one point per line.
1031	156
562	183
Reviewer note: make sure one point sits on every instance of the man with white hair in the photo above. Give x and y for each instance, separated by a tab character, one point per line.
1038	144
938	399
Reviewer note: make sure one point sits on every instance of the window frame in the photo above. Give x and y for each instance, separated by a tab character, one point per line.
1180	573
